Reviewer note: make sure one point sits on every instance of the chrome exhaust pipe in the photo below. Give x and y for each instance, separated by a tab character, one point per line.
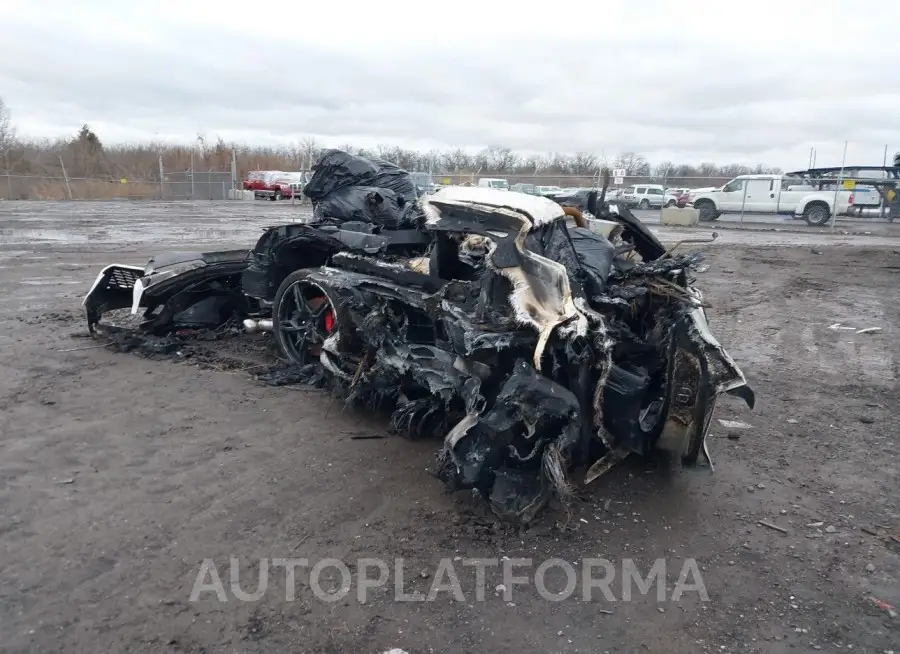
264	325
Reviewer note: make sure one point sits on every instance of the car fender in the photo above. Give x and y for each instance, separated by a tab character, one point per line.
709	197
813	197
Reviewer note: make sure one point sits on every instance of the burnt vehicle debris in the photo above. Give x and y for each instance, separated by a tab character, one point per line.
186	290
539	351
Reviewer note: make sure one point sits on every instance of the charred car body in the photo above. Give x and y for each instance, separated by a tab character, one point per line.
533	347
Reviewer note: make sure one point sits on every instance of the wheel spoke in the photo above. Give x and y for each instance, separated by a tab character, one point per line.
302	323
300	301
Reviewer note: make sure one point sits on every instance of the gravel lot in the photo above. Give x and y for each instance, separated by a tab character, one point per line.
121	474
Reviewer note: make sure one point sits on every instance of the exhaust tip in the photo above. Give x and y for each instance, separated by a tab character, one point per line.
252	326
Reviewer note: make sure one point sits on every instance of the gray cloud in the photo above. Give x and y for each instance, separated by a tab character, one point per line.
671	81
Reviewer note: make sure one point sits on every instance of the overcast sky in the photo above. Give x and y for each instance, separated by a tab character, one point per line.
688	81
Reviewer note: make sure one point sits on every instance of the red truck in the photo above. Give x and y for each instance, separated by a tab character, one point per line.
274	184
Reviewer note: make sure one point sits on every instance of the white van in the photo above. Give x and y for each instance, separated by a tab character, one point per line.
644	196
493	182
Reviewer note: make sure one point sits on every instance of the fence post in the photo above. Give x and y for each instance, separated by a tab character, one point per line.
837	187
224	191
8	176
743	202
162	177
66	177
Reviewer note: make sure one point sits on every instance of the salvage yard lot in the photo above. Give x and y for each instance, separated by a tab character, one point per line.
120	475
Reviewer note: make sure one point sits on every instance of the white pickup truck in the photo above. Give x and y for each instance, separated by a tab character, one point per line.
812	200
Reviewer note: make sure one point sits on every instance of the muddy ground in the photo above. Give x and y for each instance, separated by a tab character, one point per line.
121	474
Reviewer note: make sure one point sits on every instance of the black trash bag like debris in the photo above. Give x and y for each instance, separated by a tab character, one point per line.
595	256
337	169
380	206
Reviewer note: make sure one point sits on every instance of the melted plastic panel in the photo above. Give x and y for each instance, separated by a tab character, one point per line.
540	210
508	453
541	294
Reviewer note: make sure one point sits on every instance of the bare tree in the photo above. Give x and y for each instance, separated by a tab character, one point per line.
708	169
556	163
584	163
7	132
533	164
309	151
634	164
86	156
663	170
456	160
501	159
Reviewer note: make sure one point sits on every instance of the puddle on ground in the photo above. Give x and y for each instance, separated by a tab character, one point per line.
22	236
17	236
9	254
48	281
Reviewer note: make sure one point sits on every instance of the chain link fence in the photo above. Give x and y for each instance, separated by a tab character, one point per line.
196	185
577	181
216	184
186	185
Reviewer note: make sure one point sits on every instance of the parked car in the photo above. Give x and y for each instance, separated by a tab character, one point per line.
547	191
694	192
493	182
643	196
258	179
523	188
812	195
673	195
273	184
424	183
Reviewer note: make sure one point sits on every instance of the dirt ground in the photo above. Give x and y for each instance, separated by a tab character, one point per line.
121	474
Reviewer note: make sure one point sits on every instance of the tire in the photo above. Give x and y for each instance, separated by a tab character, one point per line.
644	204
816	214
670	203
285	321
277	196
707	211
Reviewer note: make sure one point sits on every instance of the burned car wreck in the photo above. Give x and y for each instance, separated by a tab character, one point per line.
539	351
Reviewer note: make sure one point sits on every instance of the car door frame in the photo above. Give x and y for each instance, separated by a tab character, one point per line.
638	196
654	194
762	199
730	201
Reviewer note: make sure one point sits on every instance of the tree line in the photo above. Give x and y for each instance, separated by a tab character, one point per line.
85	156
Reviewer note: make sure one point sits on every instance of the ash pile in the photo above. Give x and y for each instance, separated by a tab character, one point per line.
540	344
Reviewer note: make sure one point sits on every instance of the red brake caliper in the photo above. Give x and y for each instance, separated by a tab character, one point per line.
315	303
